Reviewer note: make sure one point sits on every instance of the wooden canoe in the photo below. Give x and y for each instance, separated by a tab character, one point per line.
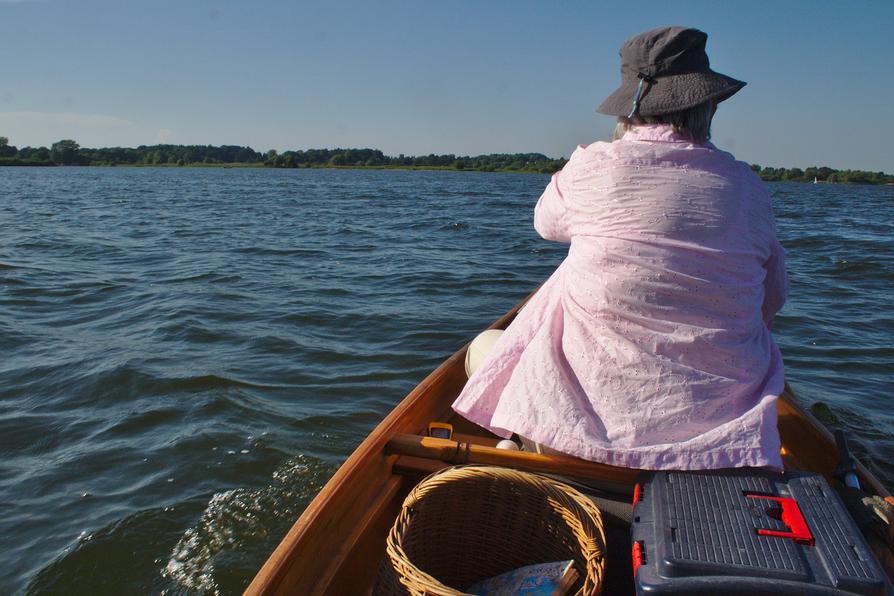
336	545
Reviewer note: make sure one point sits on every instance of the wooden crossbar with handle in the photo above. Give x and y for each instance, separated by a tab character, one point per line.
461	452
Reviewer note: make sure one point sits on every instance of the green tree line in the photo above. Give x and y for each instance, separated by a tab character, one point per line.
69	152
822	174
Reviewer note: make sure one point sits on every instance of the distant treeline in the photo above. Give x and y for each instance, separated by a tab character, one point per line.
822	174
68	152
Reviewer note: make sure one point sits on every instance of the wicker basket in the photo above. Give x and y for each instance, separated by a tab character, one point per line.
468	523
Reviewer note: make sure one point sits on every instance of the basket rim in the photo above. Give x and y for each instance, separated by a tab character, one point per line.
589	531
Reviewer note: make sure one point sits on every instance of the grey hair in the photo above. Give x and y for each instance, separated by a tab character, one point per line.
694	123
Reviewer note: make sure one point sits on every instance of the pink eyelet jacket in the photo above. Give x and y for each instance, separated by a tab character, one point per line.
649	346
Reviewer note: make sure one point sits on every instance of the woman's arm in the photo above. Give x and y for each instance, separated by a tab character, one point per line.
551	212
776	283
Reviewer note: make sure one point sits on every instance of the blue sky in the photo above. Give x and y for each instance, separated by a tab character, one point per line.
419	77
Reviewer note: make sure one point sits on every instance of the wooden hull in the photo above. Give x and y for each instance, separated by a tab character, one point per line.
336	545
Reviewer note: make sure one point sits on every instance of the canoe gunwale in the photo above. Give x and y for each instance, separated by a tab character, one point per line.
790	403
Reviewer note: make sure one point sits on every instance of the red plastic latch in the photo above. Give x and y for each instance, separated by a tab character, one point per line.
637	556
791	516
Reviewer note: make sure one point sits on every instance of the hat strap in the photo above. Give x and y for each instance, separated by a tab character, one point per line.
643	78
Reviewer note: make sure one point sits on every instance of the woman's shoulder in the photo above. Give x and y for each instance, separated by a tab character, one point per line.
740	171
587	155
742	167
595	149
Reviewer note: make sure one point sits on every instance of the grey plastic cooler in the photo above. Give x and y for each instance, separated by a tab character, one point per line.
747	532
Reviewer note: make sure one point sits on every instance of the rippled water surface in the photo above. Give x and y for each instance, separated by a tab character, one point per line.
189	354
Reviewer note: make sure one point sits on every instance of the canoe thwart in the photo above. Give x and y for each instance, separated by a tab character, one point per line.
463	452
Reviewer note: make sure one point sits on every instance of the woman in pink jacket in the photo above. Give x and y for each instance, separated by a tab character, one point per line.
649	347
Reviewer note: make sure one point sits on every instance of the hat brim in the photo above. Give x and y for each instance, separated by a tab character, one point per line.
671	94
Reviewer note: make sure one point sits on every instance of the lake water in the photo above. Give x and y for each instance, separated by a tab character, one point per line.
188	354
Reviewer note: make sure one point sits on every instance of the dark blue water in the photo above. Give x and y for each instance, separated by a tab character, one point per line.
189	354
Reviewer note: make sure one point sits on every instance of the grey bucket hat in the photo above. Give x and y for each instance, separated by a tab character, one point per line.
666	70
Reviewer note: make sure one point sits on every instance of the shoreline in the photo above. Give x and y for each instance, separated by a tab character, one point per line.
261	166
68	152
